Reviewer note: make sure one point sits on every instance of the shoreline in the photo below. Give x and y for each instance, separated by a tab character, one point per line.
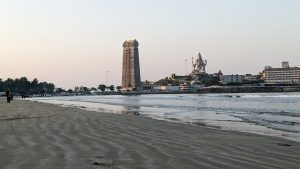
205	90
117	109
41	135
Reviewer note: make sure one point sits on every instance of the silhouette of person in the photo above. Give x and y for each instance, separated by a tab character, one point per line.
8	96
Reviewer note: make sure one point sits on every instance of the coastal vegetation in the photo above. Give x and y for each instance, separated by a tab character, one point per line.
24	86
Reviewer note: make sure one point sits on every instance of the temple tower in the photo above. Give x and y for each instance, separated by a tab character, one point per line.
131	78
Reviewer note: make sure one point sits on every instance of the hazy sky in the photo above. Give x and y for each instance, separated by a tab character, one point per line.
73	42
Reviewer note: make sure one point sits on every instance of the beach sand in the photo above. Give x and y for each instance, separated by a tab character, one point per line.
43	136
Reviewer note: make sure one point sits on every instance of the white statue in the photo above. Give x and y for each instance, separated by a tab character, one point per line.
199	65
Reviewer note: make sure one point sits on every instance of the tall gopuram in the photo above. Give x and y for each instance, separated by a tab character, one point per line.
131	78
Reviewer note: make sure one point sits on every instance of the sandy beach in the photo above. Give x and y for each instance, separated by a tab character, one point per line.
44	136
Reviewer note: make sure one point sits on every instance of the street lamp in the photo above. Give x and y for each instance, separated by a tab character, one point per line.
185	66
107	78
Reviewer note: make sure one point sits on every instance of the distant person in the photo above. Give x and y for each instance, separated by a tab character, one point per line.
9	96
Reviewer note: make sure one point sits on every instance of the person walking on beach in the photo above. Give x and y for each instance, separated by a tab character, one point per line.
9	96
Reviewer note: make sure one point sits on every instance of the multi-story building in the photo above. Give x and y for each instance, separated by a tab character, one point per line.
251	78
168	88
281	76
131	78
232	79
185	87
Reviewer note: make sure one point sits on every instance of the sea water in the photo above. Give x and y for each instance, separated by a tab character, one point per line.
275	114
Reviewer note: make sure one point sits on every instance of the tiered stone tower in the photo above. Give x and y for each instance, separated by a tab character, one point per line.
131	78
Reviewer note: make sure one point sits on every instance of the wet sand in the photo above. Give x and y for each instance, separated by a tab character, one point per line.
43	136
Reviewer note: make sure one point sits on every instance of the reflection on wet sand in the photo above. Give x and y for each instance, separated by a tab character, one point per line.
131	106
131	110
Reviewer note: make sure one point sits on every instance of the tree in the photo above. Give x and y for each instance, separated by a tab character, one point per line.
102	87
9	84
83	89
76	89
93	89
1	85
59	90
86	90
24	86
34	85
112	88
50	88
209	80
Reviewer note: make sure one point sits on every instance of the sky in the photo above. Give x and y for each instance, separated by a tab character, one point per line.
74	42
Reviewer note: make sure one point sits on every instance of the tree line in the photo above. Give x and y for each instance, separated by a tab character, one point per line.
101	87
24	86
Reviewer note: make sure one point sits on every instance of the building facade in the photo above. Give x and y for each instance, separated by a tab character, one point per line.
185	87
131	78
249	78
232	79
282	76
166	88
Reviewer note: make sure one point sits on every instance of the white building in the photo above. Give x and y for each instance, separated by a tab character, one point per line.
185	87
233	79
166	88
251	78
282	76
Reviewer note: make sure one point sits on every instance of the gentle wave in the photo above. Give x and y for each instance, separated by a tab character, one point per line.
271	96
255	96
